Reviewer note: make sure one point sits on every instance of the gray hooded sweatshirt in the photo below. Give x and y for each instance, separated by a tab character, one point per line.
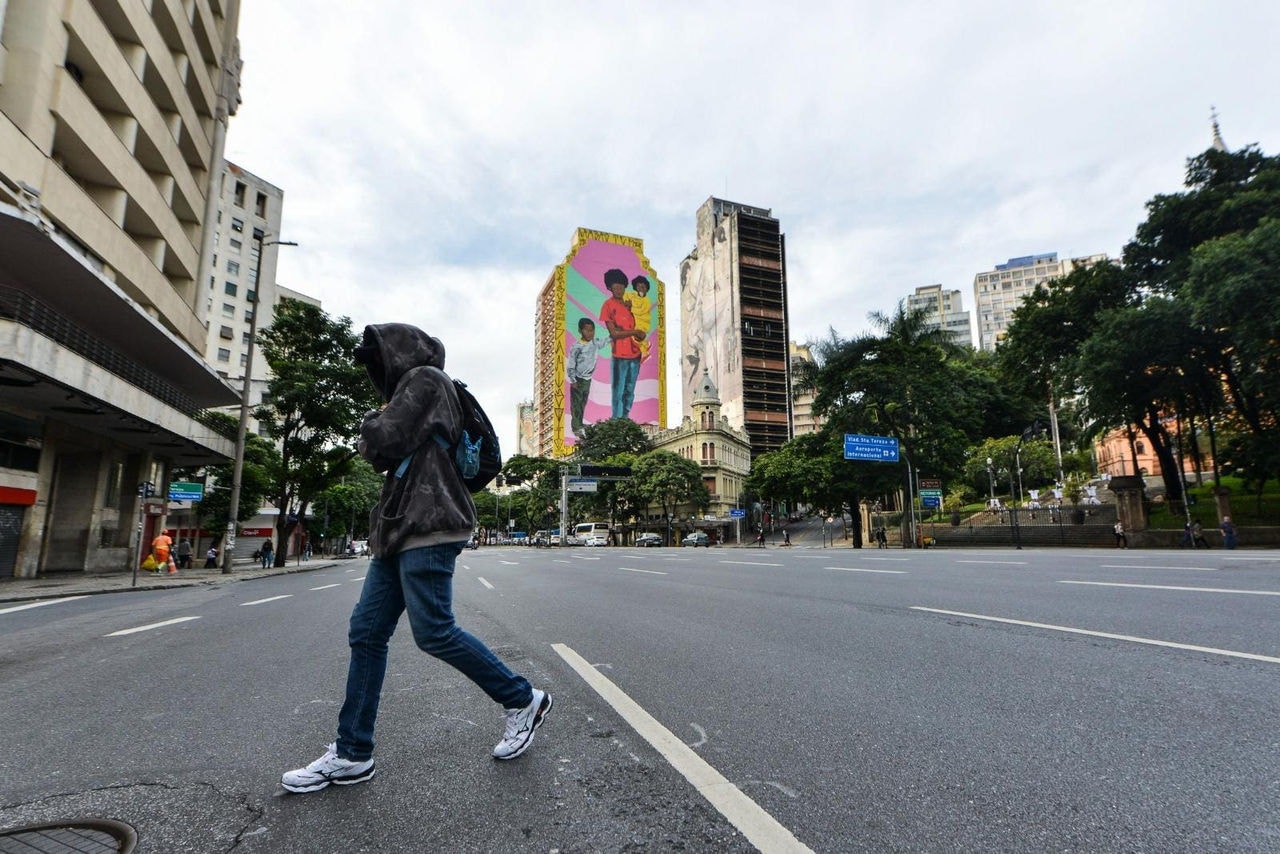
425	502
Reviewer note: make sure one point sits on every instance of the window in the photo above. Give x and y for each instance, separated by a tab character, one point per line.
237	225
225	333
251	296
260	208
224	355
248	315
236	244
229	288
233	267
1140	448
239	194
228	310
244	359
244	337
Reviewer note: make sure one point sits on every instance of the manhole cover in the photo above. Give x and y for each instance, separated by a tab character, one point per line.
86	836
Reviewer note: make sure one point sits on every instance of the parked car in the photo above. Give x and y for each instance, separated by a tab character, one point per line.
697	538
649	540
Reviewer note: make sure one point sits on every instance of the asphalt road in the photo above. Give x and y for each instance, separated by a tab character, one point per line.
706	700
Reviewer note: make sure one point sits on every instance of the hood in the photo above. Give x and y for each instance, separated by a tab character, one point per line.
390	350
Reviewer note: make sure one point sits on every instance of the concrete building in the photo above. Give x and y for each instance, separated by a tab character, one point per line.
943	310
998	292
802	418
721	450
112	120
576	293
249	213
733	320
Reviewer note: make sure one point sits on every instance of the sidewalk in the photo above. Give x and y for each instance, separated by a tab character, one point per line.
60	584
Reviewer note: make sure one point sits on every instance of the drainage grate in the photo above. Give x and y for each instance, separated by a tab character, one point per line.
85	836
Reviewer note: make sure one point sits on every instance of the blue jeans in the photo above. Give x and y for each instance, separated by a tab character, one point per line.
625	374
419	581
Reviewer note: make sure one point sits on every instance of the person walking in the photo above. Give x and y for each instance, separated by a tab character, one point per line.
419	526
211	558
1228	529
184	553
1122	542
267	553
1197	535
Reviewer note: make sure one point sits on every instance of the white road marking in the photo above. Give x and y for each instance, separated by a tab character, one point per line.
361	578
1152	566
150	627
264	601
510	562
761	829
40	604
326	586
854	569
750	563
1006	562
649	571
1171	587
486	583
1131	638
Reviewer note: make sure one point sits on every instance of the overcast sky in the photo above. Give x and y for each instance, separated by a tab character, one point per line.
437	157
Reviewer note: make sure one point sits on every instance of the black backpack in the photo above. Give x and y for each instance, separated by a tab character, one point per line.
476	452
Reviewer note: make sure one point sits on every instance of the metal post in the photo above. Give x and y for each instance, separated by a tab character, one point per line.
237	470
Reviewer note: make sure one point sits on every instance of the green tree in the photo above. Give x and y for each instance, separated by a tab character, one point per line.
260	459
612	436
907	382
316	400
670	481
341	511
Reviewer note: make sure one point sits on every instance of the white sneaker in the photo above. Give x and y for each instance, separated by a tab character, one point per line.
521	725
329	768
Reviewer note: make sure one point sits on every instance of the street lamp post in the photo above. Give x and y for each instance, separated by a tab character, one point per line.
233	510
991	482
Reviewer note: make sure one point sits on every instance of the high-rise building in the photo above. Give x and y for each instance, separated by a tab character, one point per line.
605	281
112	120
248	218
733	320
803	420
943	310
998	292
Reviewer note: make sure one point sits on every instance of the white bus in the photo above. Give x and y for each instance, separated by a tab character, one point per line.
592	533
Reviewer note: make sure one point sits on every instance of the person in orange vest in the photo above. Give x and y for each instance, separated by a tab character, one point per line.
160	546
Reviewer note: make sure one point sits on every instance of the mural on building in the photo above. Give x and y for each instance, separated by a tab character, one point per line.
612	350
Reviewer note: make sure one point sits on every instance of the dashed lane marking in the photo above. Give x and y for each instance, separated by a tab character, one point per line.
486	583
647	571
1110	635
856	569
326	586
40	604
264	601
148	628
1172	587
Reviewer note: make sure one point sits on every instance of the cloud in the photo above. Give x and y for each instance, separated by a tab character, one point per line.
437	158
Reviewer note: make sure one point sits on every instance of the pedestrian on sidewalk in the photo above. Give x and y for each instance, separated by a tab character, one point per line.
211	558
267	553
1197	535
419	526
1228	529
184	554
1122	542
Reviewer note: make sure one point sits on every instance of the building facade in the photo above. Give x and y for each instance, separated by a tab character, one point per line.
112	120
722	451
803	419
579	382
998	292
733	320
248	221
943	310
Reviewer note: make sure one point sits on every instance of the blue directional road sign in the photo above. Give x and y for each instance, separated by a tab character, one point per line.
736	513
880	449
933	501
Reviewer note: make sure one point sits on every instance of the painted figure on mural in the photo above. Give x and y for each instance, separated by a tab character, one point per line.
617	318
580	367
